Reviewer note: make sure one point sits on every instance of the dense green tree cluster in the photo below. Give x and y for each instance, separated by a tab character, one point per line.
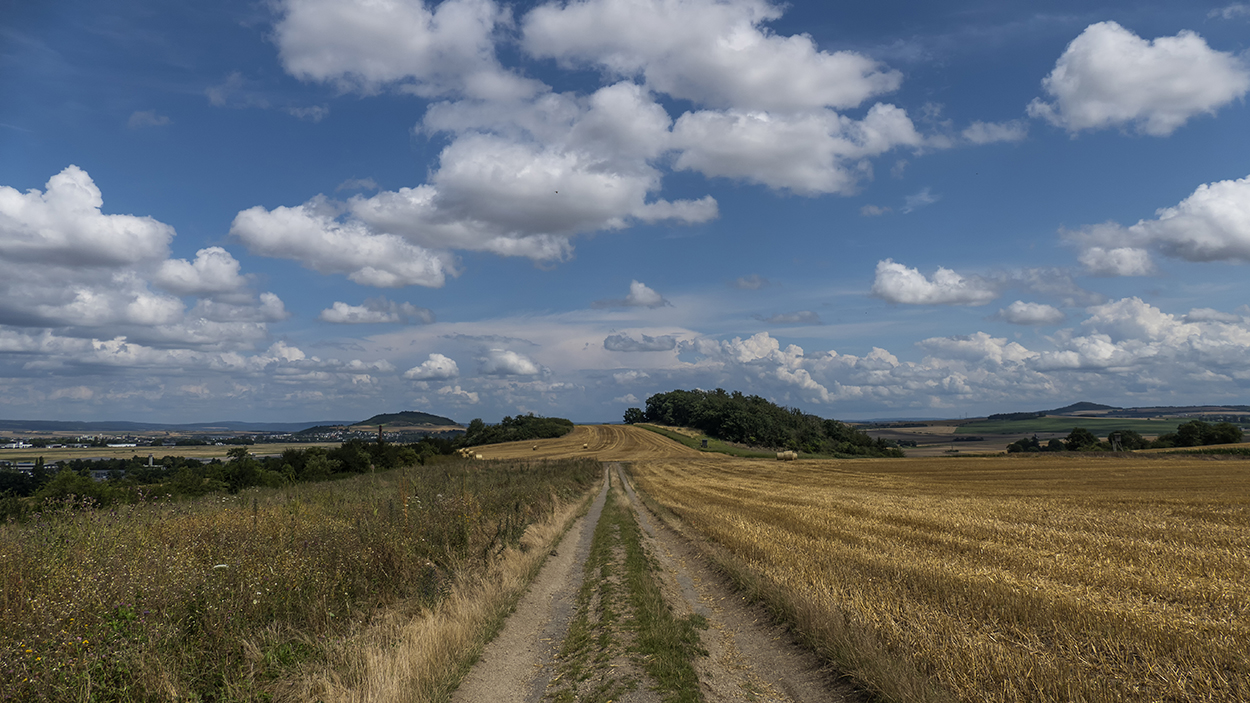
1194	433
127	479
1079	440
1033	444
1197	433
1013	417
752	420
515	429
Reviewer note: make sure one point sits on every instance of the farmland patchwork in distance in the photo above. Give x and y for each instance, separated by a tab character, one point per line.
1098	425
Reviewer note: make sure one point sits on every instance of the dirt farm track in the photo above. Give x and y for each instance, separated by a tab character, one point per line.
601	442
1000	579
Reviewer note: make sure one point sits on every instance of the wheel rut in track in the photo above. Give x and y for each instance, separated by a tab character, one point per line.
748	657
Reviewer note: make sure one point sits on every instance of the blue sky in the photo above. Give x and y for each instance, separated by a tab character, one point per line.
322	209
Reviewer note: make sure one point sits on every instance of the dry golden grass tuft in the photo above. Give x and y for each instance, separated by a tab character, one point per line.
410	657
997	579
231	597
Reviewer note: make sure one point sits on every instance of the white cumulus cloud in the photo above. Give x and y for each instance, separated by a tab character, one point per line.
712	52
809	153
64	225
1117	261
626	343
367	45
269	308
897	283
640	296
66	264
213	272
1022	313
630	376
765	103
978	348
436	368
376	311
456	394
1110	77
518	178
312	234
1211	224
504	362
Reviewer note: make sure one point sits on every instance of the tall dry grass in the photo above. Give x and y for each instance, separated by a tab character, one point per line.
232	597
997	579
420	657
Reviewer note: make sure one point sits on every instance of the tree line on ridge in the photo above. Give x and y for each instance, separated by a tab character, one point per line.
754	421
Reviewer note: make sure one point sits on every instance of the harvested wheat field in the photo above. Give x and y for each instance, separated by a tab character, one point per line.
992	579
602	442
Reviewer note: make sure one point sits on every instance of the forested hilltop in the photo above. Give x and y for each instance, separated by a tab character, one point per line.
515	429
752	420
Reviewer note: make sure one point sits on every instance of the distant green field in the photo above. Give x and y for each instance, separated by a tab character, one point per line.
1098	425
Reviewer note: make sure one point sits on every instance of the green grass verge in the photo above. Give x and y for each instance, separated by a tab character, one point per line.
592	640
620	595
668	644
1100	426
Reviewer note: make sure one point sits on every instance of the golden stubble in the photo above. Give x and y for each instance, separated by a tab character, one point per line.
1000	579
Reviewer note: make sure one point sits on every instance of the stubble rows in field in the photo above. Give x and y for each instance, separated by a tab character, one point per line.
998	579
600	442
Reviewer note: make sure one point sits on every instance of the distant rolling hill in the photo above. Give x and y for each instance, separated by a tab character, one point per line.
1082	407
1101	419
1064	424
408	418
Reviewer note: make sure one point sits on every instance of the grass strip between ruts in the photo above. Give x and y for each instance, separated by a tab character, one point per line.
621	593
